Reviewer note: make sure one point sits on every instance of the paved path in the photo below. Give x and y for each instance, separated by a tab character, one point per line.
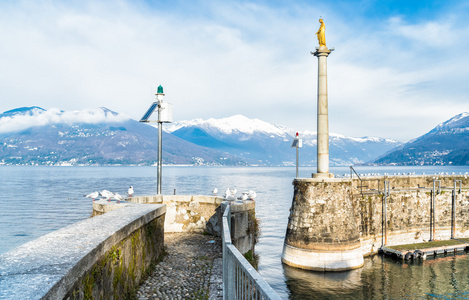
191	269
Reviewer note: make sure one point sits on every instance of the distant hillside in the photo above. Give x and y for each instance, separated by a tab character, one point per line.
446	144
269	144
93	137
32	135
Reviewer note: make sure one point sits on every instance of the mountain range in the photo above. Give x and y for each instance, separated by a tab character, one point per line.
32	135
268	144
446	144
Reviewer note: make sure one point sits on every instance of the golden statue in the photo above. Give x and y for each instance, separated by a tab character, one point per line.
321	34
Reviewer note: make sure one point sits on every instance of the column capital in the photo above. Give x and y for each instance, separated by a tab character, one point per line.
322	51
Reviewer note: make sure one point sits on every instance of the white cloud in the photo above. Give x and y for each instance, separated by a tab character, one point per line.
217	59
55	116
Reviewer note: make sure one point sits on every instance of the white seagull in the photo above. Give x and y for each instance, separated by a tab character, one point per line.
215	191
93	195
252	195
229	195
233	192
243	197
107	194
118	197
130	191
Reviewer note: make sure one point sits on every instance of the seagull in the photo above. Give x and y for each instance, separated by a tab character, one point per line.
118	197
243	197
229	195
215	191
130	191
93	195
252	195
107	194
233	192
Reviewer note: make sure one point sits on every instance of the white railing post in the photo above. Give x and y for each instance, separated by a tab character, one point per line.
240	279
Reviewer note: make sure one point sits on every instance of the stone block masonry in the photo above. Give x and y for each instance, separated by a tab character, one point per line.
408	210
322	232
197	213
187	213
333	223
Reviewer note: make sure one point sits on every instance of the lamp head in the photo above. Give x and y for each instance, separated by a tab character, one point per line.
159	93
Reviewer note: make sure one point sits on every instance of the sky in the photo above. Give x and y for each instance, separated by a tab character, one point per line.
399	67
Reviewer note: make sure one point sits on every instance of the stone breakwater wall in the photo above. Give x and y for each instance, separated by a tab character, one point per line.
185	213
188	213
333	223
408	210
103	257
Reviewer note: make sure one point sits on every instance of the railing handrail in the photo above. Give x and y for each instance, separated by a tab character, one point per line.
230	275
351	174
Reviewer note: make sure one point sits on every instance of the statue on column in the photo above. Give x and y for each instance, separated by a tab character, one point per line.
321	34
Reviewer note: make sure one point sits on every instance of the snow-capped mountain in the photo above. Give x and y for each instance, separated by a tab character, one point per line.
269	144
102	137
32	135
446	144
237	124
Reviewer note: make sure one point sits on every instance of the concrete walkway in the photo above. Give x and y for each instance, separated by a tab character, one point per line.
191	269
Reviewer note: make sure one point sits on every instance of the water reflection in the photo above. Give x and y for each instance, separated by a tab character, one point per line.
323	285
385	278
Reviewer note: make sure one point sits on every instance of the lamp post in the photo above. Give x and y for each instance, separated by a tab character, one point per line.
297	143
165	115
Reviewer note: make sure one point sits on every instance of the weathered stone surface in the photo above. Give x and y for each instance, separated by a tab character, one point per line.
185	213
322	227
408	210
244	226
322	216
95	257
332	215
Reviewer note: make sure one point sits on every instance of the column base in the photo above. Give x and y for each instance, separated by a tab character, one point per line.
322	260
323	175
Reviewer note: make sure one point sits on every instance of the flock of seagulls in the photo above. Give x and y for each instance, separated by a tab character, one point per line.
105	194
400	174
230	194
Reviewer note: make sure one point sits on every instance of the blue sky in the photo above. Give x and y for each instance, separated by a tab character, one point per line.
399	68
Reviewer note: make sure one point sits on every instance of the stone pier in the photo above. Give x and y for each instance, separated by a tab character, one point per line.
322	232
334	222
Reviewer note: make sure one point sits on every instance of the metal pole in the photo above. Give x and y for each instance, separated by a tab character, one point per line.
386	195
382	218
453	208
160	150
433	209
296	162
431	212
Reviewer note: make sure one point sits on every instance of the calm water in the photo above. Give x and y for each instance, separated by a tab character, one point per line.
37	200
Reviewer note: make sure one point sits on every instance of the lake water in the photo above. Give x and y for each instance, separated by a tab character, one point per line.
38	200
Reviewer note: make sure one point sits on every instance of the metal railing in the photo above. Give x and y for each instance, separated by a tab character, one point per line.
240	279
368	191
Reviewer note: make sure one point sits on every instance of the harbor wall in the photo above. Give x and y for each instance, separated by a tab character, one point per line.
104	257
408	210
203	214
334	221
188	213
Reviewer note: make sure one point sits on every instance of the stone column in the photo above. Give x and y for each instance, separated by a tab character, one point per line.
322	53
